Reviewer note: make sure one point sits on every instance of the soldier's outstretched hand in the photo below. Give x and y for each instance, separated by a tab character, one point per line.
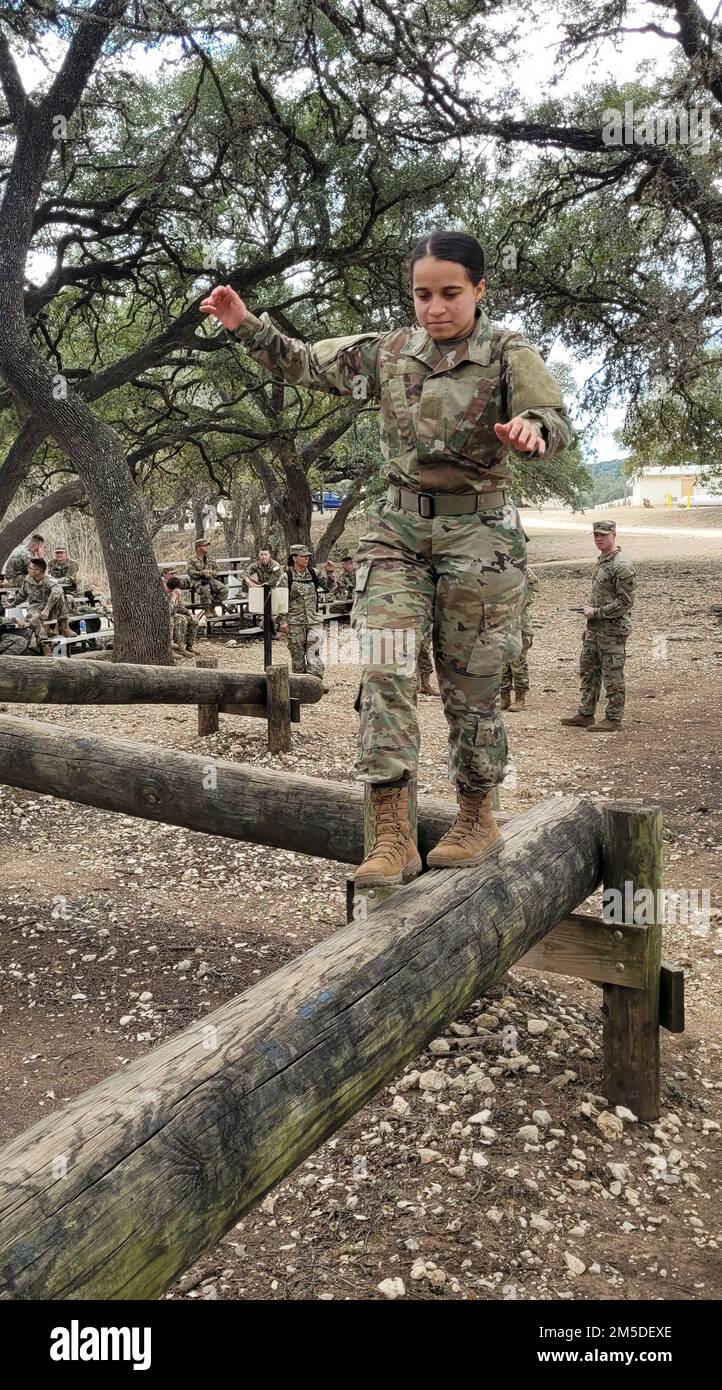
225	305
521	435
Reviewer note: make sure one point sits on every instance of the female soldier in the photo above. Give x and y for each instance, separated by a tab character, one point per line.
446	546
301	626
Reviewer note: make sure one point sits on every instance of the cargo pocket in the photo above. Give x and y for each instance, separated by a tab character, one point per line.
499	639
401	419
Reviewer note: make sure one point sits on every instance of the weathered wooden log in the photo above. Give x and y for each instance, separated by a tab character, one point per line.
207	714
306	814
50	680
278	704
116	1193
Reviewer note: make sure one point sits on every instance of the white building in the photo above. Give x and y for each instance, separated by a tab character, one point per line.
658	484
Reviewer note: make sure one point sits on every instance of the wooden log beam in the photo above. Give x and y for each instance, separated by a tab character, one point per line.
306	814
116	1193
49	680
207	714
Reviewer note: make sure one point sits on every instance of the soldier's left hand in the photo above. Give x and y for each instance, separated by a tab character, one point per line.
329	565
521	435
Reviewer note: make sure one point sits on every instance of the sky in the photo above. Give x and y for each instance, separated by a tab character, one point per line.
532	74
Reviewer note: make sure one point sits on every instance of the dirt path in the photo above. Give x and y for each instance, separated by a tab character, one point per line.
97	911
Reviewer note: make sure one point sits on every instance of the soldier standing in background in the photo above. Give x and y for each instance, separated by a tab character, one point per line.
301	624
605	639
516	673
203	575
345	583
16	566
64	570
46	601
446	546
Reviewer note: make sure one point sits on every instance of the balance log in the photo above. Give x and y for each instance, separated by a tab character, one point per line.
306	814
51	680
119	1191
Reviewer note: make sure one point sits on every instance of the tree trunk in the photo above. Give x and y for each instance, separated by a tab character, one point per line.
336	525
17	462
22	525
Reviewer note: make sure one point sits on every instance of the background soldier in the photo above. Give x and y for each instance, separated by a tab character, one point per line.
64	570
264	570
425	666
345	583
300	624
203	575
608	627
16	566
46	600
15	635
184	624
516	673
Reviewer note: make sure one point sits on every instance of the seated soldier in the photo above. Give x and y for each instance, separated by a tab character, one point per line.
64	570
203	575
346	582
46	603
15	636
16	566
184	626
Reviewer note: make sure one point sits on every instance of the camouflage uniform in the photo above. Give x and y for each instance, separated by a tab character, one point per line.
16	565
604	642
305	632
42	594
66	574
345	585
516	673
272	574
184	624
202	572
13	641
442	562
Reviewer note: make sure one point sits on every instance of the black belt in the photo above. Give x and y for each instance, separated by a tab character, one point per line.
431	504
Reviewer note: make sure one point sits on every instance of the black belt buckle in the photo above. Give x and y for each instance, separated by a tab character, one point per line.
426	500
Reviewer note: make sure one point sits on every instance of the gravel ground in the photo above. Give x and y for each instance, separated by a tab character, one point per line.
493	1167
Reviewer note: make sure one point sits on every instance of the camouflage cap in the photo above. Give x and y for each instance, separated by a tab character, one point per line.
202	541
604	527
60	547
299	550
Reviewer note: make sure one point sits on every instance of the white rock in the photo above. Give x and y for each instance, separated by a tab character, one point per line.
482	1117
540	1223
625	1114
428	1155
493	1214
400	1106
541	1117
439	1046
392	1288
529	1133
479	1159
574	1265
433	1081
536	1026
610	1125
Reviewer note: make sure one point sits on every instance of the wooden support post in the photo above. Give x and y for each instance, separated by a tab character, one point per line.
632	863
207	714
361	901
278	707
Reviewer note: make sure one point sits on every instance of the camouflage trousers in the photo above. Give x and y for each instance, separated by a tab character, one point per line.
305	643
602	660
463	577
57	613
211	592
515	675
184	629
14	644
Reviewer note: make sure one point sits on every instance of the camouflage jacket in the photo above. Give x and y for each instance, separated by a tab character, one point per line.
438	410
178	603
198	570
530	588
38	593
302	597
613	581
345	585
265	574
67	572
17	563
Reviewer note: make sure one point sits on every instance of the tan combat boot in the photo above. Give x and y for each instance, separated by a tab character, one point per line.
394	857
425	686
506	699
579	721
473	835
519	701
